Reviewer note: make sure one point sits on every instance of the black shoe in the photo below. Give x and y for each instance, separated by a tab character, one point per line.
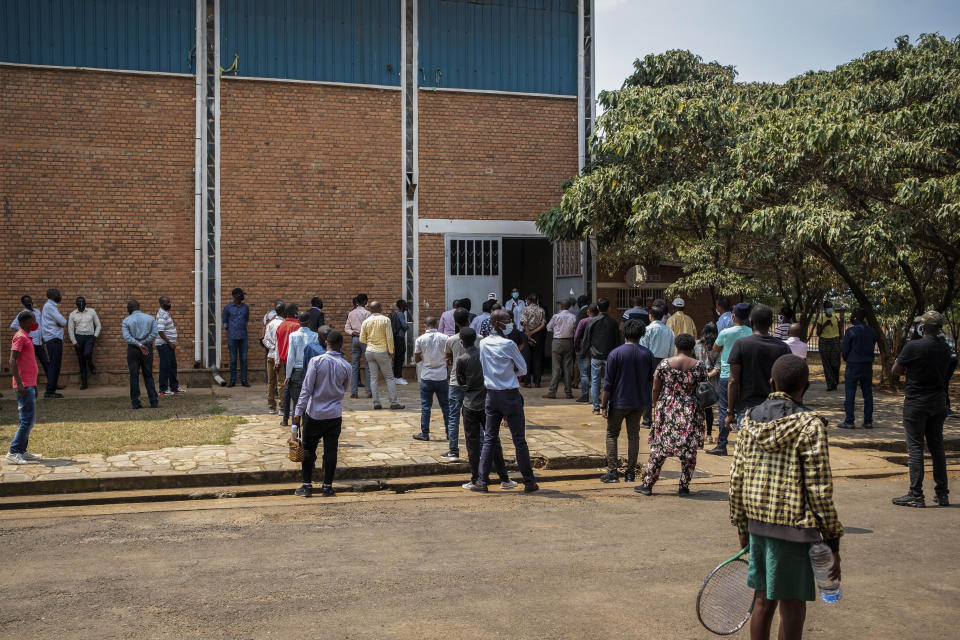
942	500
83	386
646	425
868	425
378	406
154	406
847	425
910	500
61	386
244	383
303	491
684	490
630	476
93	370
530	488
718	451
583	399
421	436
138	406
232	384
610	477
53	395
327	492
284	423
645	489
479	487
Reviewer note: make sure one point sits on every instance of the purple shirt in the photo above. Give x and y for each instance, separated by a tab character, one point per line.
446	324
324	383
629	376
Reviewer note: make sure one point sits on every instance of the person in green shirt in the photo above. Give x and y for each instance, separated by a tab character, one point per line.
828	328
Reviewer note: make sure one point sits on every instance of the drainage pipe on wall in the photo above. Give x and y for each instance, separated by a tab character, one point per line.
199	170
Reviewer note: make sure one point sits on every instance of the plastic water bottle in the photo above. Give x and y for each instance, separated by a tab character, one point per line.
295	430
821	557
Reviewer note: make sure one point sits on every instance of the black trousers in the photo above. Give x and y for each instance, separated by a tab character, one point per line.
139	362
473	422
168	368
312	431
84	349
399	355
535	367
648	411
923	420
54	350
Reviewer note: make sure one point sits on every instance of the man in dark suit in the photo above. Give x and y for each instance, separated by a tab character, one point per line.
316	314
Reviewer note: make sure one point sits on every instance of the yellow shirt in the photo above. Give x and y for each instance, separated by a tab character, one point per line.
680	322
831	329
377	334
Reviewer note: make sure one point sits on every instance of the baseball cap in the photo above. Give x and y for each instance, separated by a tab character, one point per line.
678	302
492	296
742	310
932	319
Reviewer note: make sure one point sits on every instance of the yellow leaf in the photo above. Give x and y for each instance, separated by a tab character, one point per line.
614	184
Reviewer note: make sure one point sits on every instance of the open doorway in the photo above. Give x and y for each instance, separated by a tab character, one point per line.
528	266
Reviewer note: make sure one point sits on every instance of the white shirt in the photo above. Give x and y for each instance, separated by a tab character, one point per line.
165	324
52	322
797	346
502	362
83	323
270	336
432	346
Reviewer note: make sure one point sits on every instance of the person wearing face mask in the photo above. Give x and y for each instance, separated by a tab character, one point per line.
829	331
515	306
501	362
236	317
52	324
23	366
167	349
41	355
84	329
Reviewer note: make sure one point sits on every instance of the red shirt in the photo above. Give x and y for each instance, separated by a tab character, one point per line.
286	327
27	362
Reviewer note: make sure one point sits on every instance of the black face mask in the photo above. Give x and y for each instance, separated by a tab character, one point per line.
28	306
58	299
166	307
81	305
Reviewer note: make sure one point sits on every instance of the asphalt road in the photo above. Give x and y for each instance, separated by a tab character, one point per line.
577	560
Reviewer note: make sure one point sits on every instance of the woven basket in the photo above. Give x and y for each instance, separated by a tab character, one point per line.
297	451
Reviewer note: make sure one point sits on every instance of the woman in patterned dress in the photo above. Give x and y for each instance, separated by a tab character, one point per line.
678	421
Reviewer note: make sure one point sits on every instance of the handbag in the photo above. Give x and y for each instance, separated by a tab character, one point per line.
297	452
706	395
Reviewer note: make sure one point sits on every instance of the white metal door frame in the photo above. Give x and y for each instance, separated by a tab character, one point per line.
447	271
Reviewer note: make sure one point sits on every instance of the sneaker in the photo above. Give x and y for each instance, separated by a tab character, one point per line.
683	491
450	456
17	458
868	425
397	406
645	489
468	486
272	412
583	399
910	500
479	487
508	484
531	487
847	425
610	477
304	491
596	412
940	500
284	423
377	406
244	383
327	491
630	476
718	451
400	381
181	390
421	436
168	393
33	457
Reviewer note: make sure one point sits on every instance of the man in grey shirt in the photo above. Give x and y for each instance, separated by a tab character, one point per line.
139	332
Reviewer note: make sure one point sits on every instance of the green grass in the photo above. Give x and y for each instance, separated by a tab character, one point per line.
109	426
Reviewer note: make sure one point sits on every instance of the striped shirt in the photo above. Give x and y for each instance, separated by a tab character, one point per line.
165	324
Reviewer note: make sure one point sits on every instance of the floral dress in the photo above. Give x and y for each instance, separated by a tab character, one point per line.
678	421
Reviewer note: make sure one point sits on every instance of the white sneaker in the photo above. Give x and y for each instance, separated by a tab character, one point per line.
401	381
31	456
468	486
181	390
272	411
168	393
509	484
17	458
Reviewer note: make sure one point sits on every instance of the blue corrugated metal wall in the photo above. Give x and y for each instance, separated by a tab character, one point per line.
140	35
506	45
356	41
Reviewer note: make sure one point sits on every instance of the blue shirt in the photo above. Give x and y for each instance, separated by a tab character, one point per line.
298	342
235	318
311	351
659	339
139	329
636	313
858	344
501	362
725	321
629	376
726	340
35	334
478	321
52	322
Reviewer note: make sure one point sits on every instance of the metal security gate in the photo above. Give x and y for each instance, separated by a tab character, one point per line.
473	269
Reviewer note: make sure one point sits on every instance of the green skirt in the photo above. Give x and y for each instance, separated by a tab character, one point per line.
781	569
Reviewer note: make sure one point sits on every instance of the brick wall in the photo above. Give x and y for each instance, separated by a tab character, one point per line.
311	195
96	197
432	300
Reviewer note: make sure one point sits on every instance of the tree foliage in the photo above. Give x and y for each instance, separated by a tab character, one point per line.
842	180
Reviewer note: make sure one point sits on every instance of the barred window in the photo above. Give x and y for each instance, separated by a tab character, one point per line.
624	296
568	258
474	257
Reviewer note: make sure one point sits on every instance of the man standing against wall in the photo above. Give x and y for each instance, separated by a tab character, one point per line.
352	327
398	323
829	331
167	349
139	332
376	334
562	325
52	324
236	316
859	342
83	327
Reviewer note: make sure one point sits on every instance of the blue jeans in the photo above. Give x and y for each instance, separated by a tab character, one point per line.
357	351
722	410
507	405
427	389
597	369
858	374
238	353
27	411
584	364
455	403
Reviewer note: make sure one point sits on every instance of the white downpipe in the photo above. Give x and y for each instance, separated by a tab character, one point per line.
199	173
216	128
416	170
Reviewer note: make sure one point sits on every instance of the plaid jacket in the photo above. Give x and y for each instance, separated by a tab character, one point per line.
781	469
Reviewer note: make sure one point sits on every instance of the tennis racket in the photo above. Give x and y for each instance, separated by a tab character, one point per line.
725	602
